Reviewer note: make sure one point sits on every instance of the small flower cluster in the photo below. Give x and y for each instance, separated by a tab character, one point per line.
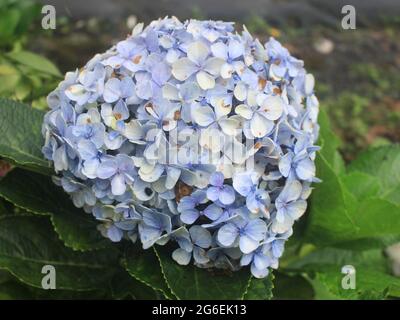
238	118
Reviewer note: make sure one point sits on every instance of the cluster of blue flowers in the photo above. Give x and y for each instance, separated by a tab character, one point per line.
189	134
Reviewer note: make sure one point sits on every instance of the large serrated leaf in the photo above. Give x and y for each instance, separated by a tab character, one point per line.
27	243
371	279
384	164
191	282
37	193
260	289
329	143
123	286
329	220
21	139
346	209
143	265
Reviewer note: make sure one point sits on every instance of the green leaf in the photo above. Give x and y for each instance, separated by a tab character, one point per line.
13	290
191	282
329	220
343	209
361	185
38	194
375	217
143	266
27	243
21	138
123	286
260	289
329	143
382	163
35	61
292	287
8	23
372	278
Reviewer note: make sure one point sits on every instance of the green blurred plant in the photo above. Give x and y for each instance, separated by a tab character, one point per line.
24	75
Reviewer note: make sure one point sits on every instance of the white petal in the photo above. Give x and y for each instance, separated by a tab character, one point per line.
183	69
202	115
240	91
222	106
213	66
205	80
220	50
198	52
210	139
309	83
244	111
226	71
170	92
272	107
133	130
260	126
229	126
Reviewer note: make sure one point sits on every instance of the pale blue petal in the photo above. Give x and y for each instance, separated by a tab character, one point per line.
305	169
200	237
189	216
227	234
181	256
217	179
107	169
285	164
227	195
296	209
213	193
247	244
259	273
256	229
261	261
114	234
118	186
200	255
213	212
246	259
112	90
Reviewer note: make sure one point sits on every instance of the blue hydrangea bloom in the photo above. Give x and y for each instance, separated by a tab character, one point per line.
192	134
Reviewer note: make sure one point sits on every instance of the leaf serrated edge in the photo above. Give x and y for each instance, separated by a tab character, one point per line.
50	215
28	282
124	263
271	277
164	275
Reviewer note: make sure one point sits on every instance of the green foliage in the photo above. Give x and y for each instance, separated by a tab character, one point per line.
38	194
16	17
28	243
24	75
191	282
21	138
353	215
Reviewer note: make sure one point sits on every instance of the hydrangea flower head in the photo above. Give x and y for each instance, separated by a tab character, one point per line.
193	134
